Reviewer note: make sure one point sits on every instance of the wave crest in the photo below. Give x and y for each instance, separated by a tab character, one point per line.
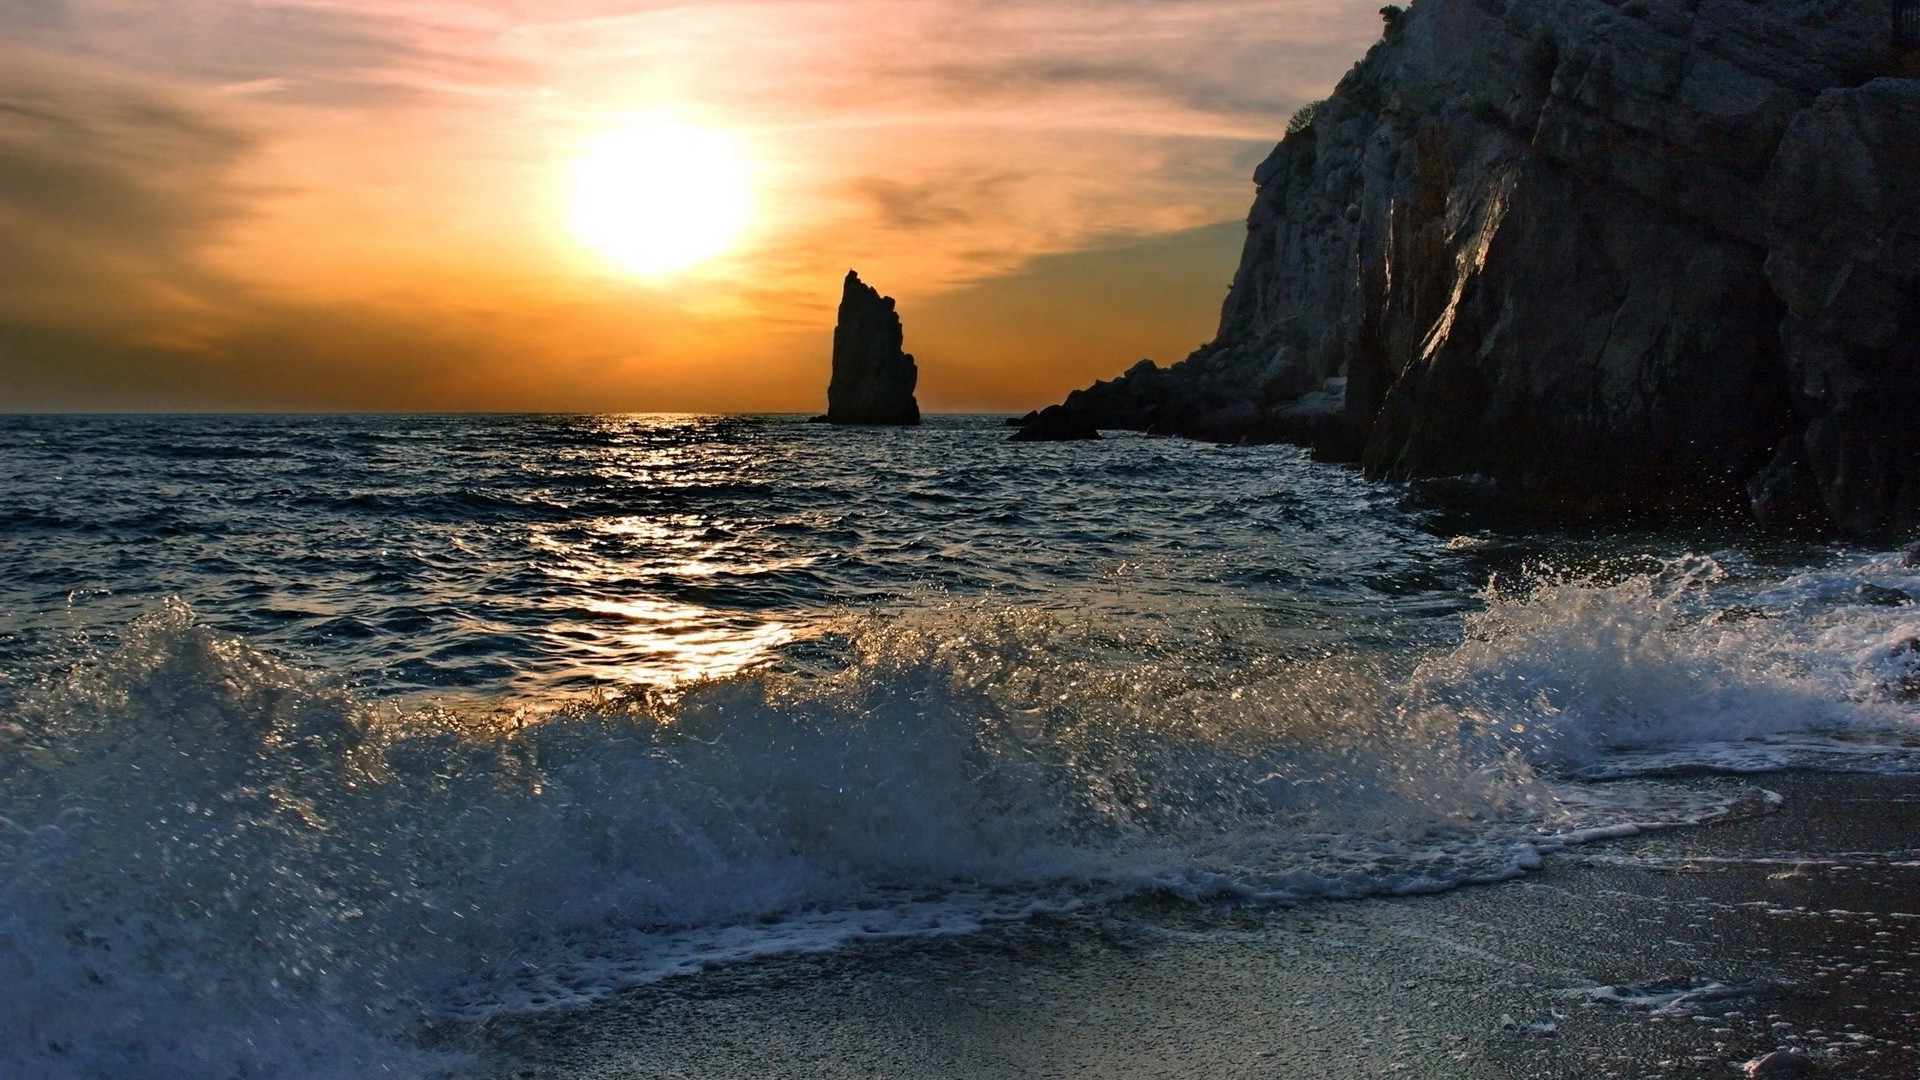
214	861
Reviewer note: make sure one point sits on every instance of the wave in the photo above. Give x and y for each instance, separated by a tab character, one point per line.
214	862
1697	666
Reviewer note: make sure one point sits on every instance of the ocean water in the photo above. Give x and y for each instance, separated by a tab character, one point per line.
322	735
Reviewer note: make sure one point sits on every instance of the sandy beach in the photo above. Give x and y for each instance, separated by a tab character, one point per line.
1678	953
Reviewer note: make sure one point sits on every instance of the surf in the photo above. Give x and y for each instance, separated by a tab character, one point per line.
217	857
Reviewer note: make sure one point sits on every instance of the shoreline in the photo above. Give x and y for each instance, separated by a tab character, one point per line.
1794	929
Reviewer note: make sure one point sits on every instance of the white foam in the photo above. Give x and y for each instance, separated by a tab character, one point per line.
1689	669
1673	997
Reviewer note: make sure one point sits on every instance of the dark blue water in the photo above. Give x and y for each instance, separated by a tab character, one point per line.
318	733
524	555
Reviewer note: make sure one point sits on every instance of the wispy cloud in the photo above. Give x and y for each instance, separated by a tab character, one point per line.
109	187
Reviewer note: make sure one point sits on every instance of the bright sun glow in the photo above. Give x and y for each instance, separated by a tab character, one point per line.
660	195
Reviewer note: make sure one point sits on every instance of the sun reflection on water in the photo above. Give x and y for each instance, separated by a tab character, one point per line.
654	642
644	598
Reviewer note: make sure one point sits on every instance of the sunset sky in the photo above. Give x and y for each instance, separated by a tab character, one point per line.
388	204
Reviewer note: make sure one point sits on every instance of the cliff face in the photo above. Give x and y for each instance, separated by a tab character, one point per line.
1600	256
873	379
1849	275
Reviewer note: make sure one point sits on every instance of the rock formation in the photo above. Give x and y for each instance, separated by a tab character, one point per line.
1055	423
873	379
1594	256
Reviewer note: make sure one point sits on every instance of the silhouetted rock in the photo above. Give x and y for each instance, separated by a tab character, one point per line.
873	379
1654	256
1056	423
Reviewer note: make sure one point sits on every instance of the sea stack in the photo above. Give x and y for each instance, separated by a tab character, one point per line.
873	379
1590	258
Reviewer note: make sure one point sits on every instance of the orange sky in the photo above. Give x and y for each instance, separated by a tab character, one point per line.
351	204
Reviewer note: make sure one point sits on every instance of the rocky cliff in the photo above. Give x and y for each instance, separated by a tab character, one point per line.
873	379
1596	258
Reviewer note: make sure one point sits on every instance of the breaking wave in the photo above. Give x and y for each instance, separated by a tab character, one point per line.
217	863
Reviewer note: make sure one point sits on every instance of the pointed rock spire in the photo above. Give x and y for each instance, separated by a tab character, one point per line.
873	379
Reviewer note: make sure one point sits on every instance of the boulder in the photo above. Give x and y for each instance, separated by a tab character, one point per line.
873	379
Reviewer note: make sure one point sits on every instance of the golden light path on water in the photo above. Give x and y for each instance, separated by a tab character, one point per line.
663	642
612	620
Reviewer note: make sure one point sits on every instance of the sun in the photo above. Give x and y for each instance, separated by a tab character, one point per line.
659	195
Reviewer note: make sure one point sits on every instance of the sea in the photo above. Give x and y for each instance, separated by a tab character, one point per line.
321	736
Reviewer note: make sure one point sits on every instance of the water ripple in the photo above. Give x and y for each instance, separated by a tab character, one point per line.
496	554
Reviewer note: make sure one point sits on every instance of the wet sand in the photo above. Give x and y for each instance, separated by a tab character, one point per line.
1799	928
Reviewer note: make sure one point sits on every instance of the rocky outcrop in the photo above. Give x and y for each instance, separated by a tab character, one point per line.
873	379
1600	257
1055	423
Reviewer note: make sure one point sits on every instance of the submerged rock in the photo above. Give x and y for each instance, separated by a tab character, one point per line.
1881	596
1055	423
1662	255
873	379
1779	1065
1904	660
